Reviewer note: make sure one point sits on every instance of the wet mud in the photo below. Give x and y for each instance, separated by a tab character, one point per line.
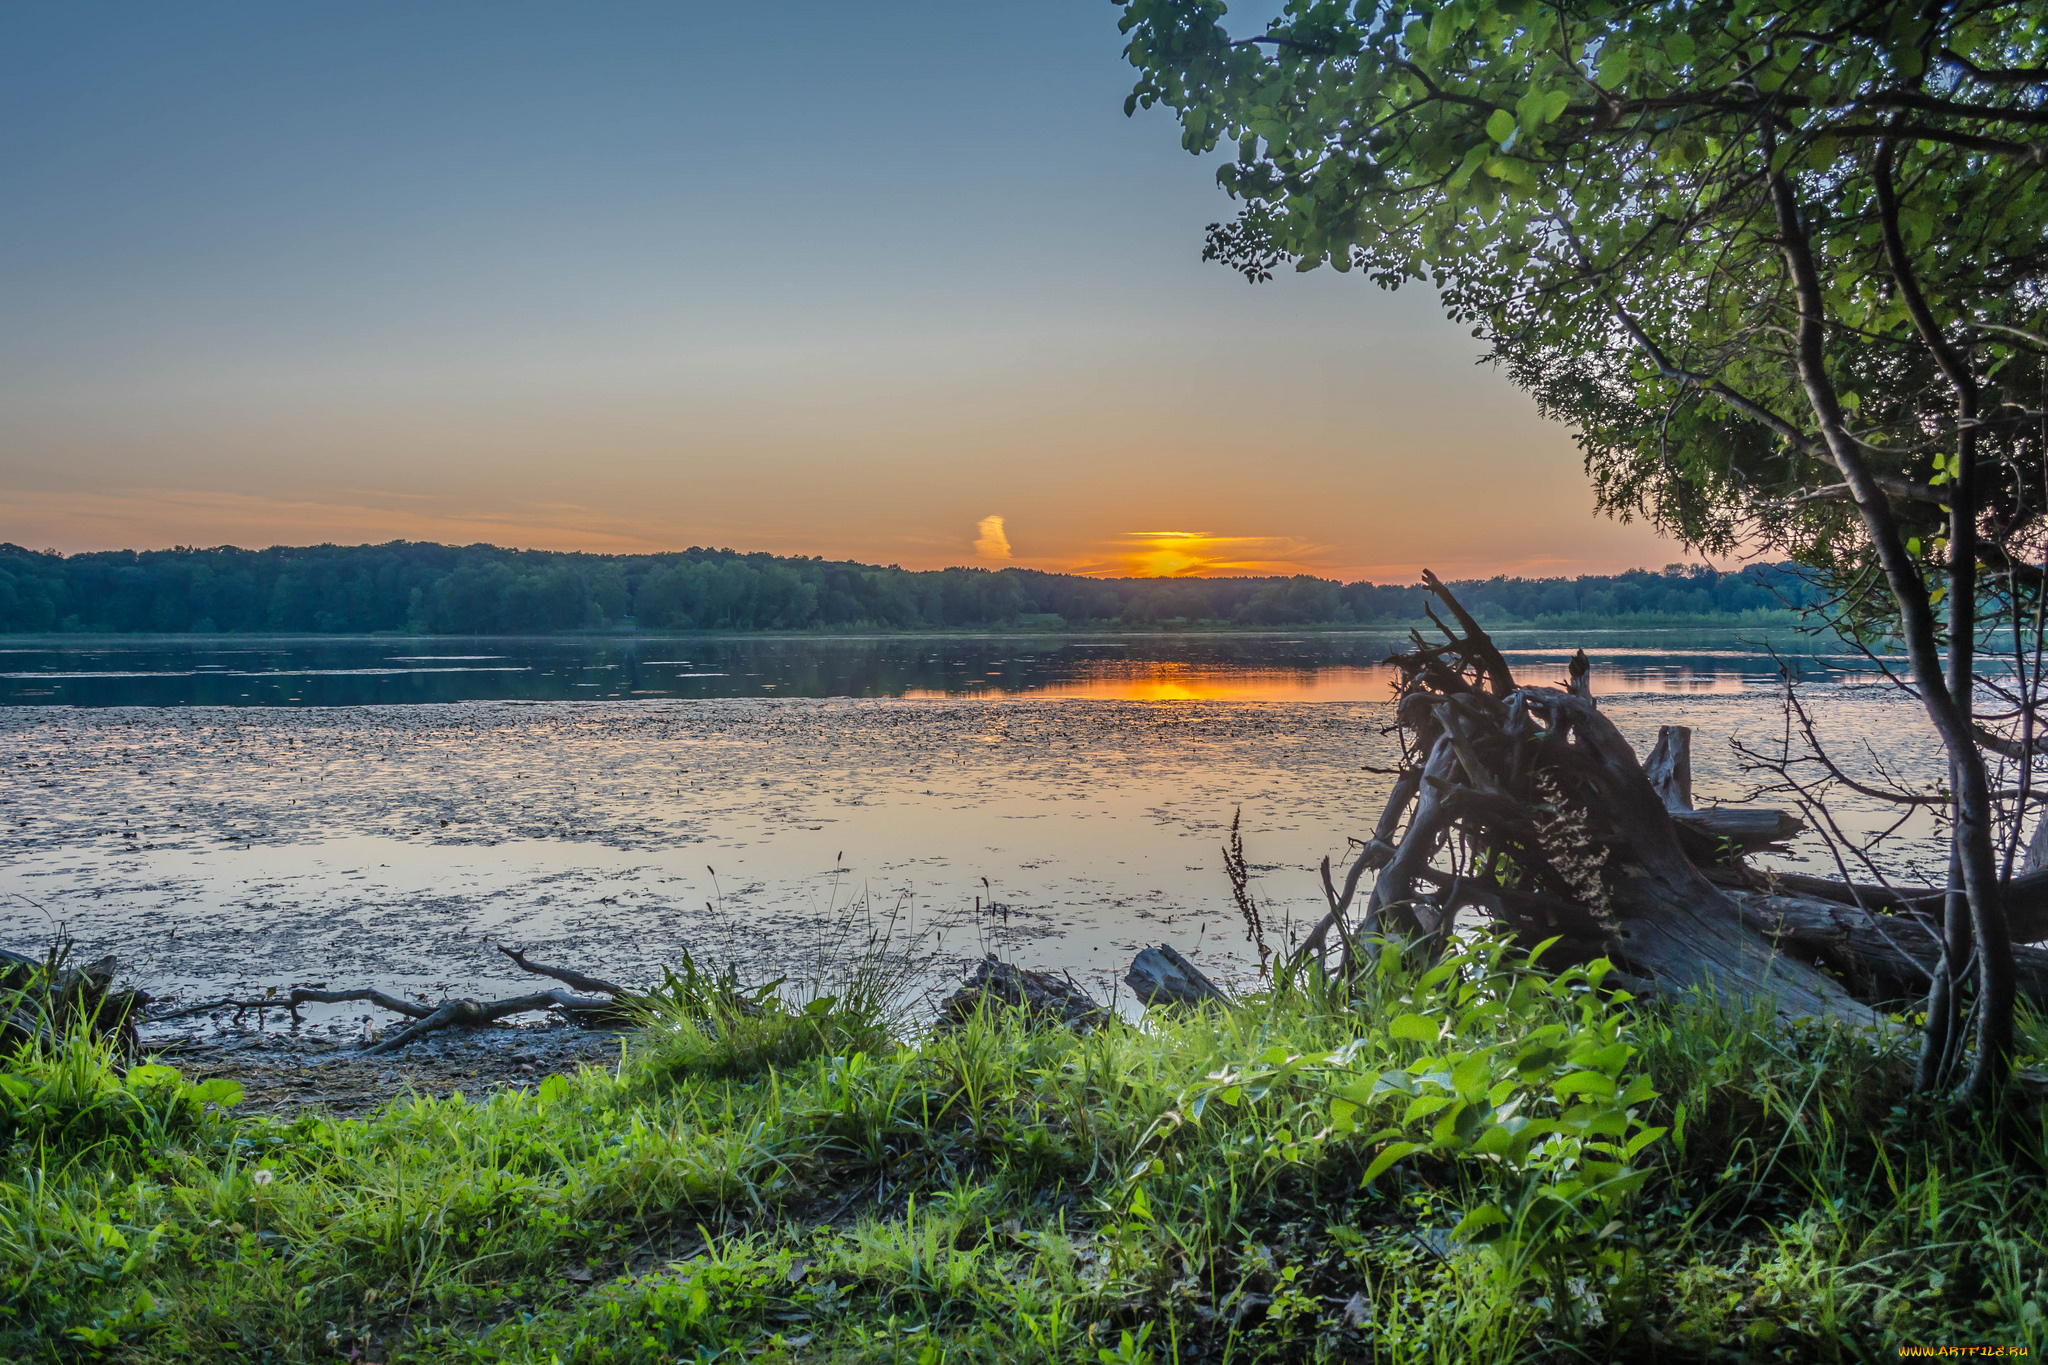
284	1072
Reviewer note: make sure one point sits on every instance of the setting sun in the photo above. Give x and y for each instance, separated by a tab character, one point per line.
1187	554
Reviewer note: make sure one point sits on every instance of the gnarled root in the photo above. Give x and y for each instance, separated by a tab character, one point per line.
1526	805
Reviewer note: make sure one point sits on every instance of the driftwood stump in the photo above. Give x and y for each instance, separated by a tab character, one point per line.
1526	805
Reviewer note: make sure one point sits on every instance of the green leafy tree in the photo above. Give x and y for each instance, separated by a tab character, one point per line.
1782	265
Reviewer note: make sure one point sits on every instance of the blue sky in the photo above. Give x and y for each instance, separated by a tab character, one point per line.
839	279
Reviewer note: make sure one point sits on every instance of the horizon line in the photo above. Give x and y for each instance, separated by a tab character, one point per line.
1414	573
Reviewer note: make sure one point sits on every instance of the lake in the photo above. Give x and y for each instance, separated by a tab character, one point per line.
250	813
402	671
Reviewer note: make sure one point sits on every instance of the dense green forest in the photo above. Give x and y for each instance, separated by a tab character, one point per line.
480	589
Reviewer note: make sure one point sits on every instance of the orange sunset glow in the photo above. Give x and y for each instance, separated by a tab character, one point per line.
1199	554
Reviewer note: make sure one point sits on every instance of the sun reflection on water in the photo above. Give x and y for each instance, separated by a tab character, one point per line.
1134	680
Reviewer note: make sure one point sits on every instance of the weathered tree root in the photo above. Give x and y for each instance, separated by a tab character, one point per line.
1526	805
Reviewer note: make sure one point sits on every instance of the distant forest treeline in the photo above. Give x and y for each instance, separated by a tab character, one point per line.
480	589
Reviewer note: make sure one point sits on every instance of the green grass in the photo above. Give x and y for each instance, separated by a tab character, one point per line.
792	1184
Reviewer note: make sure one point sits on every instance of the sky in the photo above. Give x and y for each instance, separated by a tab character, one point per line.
895	282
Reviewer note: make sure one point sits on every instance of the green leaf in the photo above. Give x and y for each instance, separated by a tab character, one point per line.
1584	1083
1609	1059
1475	157
1442	29
1616	62
149	1074
1500	125
1473	1226
1453	1127
1640	1141
1595	1120
1469	1078
1357	1089
1436	976
1640	1090
1389	1154
1495	1141
221	1091
1414	1028
1422	1106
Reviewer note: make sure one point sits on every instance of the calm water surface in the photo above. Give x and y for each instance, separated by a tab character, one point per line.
263	812
226	671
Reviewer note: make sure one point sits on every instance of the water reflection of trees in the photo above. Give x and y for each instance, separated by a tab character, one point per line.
408	672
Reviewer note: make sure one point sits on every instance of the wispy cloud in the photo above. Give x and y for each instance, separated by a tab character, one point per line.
992	543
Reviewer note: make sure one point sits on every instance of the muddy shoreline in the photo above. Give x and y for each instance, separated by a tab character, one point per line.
238	850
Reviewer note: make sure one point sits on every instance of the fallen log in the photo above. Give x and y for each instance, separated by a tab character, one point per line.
1710	835
1882	956
1752	829
1161	976
2026	896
